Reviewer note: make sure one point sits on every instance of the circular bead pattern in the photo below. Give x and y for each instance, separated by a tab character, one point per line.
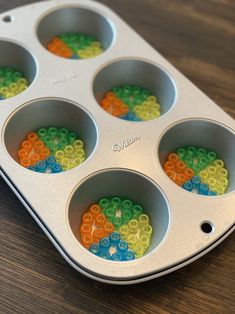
12	82
132	103
75	46
116	229
197	169
51	150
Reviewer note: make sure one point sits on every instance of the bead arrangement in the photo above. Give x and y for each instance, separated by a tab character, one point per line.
12	82
132	103
197	170
75	46
116	229
51	150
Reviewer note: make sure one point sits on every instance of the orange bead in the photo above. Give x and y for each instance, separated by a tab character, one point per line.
180	179
180	166
44	152
38	145
170	173
95	210
108	228
189	173
87	240
26	145
87	218
34	158
23	153
98	234
25	162
32	137
110	96
100	220
86	228
173	157
168	165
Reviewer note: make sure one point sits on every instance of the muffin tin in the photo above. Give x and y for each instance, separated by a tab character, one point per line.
125	158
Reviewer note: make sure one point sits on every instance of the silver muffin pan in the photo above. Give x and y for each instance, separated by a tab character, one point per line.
124	158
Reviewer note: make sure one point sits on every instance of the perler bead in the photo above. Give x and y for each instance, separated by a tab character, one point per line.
197	170
131	103
116	229
51	150
12	82
75	46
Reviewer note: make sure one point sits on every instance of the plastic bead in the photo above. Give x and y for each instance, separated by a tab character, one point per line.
117	257
75	46
197	170
51	145
12	82
131	103
134	234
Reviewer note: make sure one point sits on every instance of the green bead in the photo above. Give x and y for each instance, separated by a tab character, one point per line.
63	132
116	202
137	211
63	143
117	221
201	152
211	156
126	215
104	203
110	213
42	132
203	162
72	137
191	150
188	160
181	152
197	168
52	131
127	204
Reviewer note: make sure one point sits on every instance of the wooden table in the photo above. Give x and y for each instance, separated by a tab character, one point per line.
198	37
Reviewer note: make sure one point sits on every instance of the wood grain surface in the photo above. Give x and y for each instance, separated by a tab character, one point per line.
198	37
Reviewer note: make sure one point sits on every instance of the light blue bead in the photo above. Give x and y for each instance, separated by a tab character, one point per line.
122	246
51	160
56	168
212	193
104	254
196	180
105	243
128	256
117	257
188	186
41	166
114	238
94	248
203	189
32	168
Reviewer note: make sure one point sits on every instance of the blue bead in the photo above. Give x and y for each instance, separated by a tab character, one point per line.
32	168
128	256
41	166
114	238
56	168
203	189
122	246
94	248
212	193
105	243
74	57
117	257
188	186
51	160
196	180
104	254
